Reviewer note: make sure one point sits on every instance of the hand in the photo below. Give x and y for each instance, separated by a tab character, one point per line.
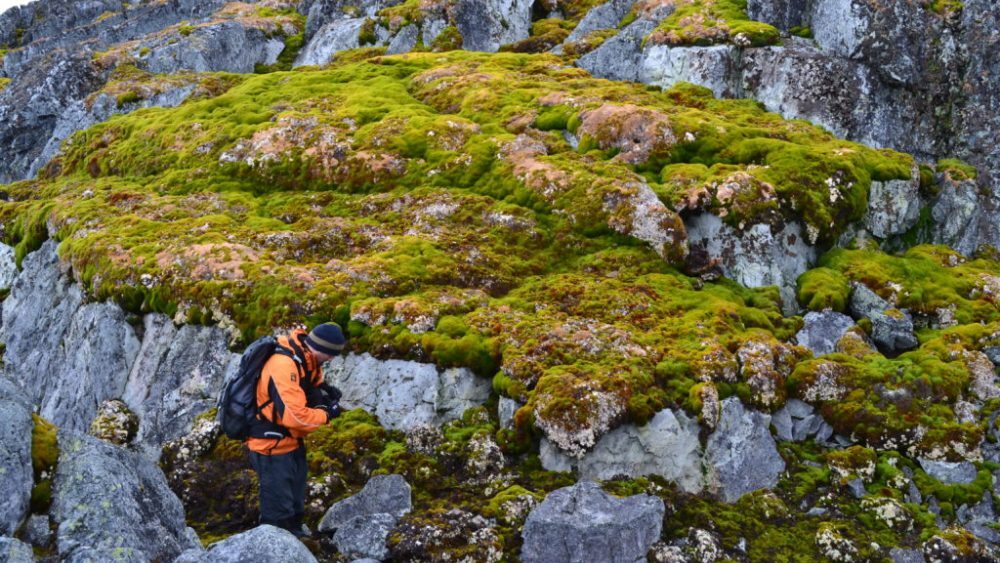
315	398
331	391
332	409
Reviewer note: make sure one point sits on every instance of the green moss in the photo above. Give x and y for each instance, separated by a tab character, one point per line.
957	169
44	455
449	39
707	22
4	81
823	288
127	98
800	31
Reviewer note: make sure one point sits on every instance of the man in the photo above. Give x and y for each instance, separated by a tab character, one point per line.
291	405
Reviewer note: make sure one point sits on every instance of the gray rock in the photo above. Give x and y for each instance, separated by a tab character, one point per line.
755	257
177	376
741	455
667	446
900	555
365	536
799	409
892	330
893	206
782	14
857	488
383	494
404	41
506	408
16	476
227	46
865	302
821	331
8	268
620	57
781	420
606	16
264	543
949	472
824	433
806	427
957	212
913	494
72	355
839	26
711	67
979	517
107	499
37	531
405	394
335	36
15	551
993	353
485	25
583	524
81	114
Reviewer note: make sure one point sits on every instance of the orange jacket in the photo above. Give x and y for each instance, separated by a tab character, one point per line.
279	383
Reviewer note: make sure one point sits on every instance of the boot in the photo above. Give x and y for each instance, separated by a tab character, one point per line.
296	527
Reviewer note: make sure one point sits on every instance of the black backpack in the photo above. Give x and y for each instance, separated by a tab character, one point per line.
238	408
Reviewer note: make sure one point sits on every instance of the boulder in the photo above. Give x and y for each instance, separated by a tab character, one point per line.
109	500
361	523
980	518
865	302
389	494
756	256
892	330
264	543
949	472
822	331
667	446
900	555
741	455
957	212
582	524
38	531
506	408
405	394
15	551
16	475
365	536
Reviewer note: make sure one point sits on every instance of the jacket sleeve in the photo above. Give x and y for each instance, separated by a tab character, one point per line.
289	400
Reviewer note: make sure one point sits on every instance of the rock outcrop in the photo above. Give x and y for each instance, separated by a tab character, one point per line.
73	356
582	523
405	394
823	330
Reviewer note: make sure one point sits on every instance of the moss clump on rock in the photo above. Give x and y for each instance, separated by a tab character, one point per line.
44	455
708	22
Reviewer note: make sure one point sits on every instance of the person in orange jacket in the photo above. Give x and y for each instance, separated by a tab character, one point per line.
291	405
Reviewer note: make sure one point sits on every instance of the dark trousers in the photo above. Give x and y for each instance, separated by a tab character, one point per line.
282	487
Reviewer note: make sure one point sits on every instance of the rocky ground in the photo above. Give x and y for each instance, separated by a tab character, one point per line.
665	280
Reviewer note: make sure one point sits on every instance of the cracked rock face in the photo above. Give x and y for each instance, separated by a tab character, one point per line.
582	523
16	477
741	455
405	394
